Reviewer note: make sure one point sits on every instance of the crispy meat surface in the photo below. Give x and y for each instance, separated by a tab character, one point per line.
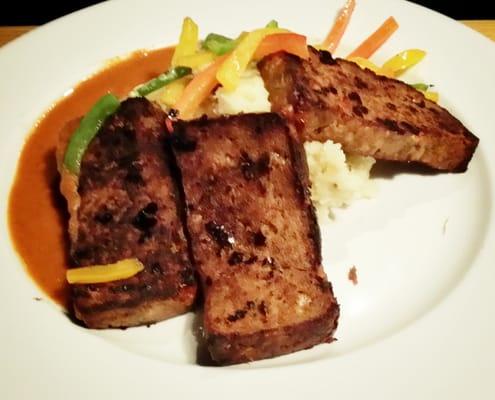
254	237
326	98
126	204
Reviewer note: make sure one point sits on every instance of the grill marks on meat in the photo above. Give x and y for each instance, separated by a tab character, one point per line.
254	237
371	115
129	207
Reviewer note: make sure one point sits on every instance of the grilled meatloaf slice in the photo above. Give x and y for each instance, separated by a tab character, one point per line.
254	237
126	205
371	115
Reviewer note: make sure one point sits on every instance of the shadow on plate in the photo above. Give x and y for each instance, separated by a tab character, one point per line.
390	169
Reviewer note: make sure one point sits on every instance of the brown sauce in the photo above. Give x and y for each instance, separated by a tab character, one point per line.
37	212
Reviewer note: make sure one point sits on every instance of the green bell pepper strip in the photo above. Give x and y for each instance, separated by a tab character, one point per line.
87	130
421	86
160	81
218	44
272	24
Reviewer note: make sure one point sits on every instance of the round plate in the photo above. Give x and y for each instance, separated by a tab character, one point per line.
417	325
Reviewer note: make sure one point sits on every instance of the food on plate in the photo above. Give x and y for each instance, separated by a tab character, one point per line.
337	179
204	173
125	204
368	114
352	275
254	237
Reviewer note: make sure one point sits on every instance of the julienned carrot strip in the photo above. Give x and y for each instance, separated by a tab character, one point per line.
338	29
198	90
376	39
289	42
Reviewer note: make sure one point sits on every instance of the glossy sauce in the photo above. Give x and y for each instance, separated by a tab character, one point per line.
37	212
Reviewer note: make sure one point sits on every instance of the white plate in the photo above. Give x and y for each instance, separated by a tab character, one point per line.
420	322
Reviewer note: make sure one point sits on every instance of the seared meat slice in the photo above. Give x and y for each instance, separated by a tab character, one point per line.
126	205
254	237
371	115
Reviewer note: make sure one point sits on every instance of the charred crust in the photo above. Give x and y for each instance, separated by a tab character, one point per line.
360	84
180	141
156	269
254	169
359	110
239	314
302	187
390	124
134	173
220	234
326	57
104	217
259	239
235	258
188	277
353	96
409	127
144	221
391	106
262	308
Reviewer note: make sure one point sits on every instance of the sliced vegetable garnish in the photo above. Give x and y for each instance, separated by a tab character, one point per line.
376	39
338	29
87	130
423	87
173	92
231	70
161	80
199	89
198	60
219	44
289	42
188	42
272	24
433	96
365	63
403	61
105	273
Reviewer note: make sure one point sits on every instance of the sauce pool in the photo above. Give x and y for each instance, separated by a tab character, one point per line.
37	213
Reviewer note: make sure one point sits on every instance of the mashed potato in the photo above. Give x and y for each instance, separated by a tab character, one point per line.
250	96
337	179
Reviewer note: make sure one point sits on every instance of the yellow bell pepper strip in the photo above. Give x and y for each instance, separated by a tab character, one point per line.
198	60
199	89
403	61
160	81
87	130
289	42
104	273
173	92
365	63
231	70
376	39
433	96
188	42
339	27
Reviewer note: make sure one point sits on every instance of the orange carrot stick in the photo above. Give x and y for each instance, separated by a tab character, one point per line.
376	39
289	42
198	90
340	25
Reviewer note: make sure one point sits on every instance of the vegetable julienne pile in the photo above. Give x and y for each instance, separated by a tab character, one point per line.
199	67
